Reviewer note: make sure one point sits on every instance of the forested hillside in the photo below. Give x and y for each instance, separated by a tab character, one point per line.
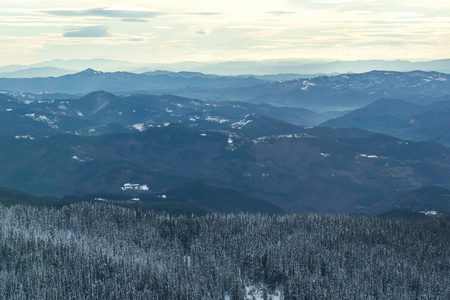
86	251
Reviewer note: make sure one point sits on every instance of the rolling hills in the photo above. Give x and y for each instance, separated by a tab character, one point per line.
295	168
102	112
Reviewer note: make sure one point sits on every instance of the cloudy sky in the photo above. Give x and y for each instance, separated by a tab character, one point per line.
149	31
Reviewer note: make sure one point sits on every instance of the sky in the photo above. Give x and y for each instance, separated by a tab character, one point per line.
167	31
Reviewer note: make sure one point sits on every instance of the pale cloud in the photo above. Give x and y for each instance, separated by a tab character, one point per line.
104	12
135	20
359	12
88	31
176	30
281	12
408	14
202	31
136	40
202	13
336	1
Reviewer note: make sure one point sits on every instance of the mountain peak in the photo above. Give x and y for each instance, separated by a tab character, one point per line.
90	71
96	94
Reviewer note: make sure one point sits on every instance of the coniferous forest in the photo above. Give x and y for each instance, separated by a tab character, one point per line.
87	251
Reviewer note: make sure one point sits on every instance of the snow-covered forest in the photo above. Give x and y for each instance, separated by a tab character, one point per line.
87	251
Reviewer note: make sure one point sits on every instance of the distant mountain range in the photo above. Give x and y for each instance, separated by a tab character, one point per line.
339	92
36	72
44	114
264	67
346	91
90	80
316	67
106	65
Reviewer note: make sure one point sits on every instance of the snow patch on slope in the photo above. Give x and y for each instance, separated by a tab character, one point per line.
139	126
241	123
282	136
257	293
77	158
216	119
24	137
134	186
368	155
44	119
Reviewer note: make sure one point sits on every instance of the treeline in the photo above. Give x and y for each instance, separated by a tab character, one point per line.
87	251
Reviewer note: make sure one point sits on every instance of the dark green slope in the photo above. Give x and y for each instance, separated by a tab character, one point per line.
378	116
10	197
400	119
428	198
364	118
220	199
395	107
297	169
431	125
194	198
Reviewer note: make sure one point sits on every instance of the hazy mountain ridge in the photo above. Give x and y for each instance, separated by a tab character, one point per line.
91	80
102	112
263	67
37	72
401	119
347	91
339	92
